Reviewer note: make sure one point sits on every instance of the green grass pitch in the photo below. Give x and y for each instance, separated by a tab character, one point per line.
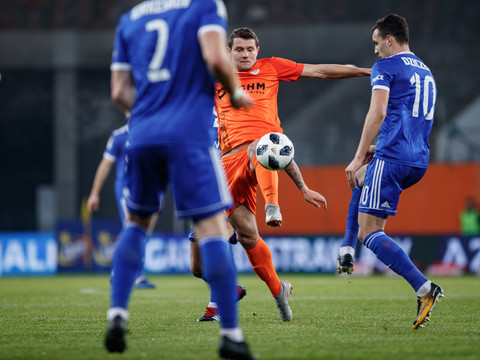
63	317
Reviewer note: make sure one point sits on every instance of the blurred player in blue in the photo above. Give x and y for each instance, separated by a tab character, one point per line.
165	59
401	113
114	154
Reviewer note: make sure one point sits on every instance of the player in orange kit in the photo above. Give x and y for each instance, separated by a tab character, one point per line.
239	131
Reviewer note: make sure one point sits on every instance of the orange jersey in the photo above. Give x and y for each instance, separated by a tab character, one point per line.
239	126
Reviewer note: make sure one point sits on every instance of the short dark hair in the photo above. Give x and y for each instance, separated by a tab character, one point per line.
393	25
244	33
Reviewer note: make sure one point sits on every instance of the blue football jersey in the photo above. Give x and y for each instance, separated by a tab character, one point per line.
115	150
403	136
172	103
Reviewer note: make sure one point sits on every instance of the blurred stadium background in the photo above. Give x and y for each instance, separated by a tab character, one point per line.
56	114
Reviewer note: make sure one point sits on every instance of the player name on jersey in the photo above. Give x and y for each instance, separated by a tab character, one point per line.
414	62
157	7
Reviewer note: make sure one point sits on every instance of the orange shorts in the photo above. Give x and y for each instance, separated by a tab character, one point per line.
242	182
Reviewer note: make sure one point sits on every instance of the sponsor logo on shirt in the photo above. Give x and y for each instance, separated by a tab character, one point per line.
253	88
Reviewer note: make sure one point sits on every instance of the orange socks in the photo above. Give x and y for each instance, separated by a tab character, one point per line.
260	256
267	181
261	259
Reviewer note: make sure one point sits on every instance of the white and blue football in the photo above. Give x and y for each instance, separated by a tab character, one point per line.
274	151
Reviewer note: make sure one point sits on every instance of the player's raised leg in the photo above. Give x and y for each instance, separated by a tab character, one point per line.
268	183
243	220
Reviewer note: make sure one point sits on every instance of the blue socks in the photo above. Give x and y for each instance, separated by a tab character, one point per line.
392	255
127	263
213	298
386	250
218	268
351	229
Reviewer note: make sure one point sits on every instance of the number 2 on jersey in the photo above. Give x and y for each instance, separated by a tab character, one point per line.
415	79
155	72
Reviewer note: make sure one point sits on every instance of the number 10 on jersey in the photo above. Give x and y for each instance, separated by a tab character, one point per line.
427	83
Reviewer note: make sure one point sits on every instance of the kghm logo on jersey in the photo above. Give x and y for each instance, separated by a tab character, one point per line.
253	88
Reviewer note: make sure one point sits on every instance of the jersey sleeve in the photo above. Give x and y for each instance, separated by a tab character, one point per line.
213	17
120	60
380	77
110	151
287	70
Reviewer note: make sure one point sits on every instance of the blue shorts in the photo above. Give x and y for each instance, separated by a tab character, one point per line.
194	172
384	182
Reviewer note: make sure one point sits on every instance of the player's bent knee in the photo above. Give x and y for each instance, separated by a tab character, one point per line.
248	242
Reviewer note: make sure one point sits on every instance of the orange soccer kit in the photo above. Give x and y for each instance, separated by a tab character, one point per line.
238	127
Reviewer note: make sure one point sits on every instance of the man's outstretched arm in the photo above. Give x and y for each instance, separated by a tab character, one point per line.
310	196
332	71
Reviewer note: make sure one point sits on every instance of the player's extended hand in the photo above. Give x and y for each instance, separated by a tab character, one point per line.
351	170
240	99
314	198
93	202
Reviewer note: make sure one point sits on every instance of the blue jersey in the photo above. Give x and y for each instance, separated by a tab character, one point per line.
172	102
115	151
403	136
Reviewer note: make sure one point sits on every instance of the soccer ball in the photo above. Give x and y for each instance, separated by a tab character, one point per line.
274	151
